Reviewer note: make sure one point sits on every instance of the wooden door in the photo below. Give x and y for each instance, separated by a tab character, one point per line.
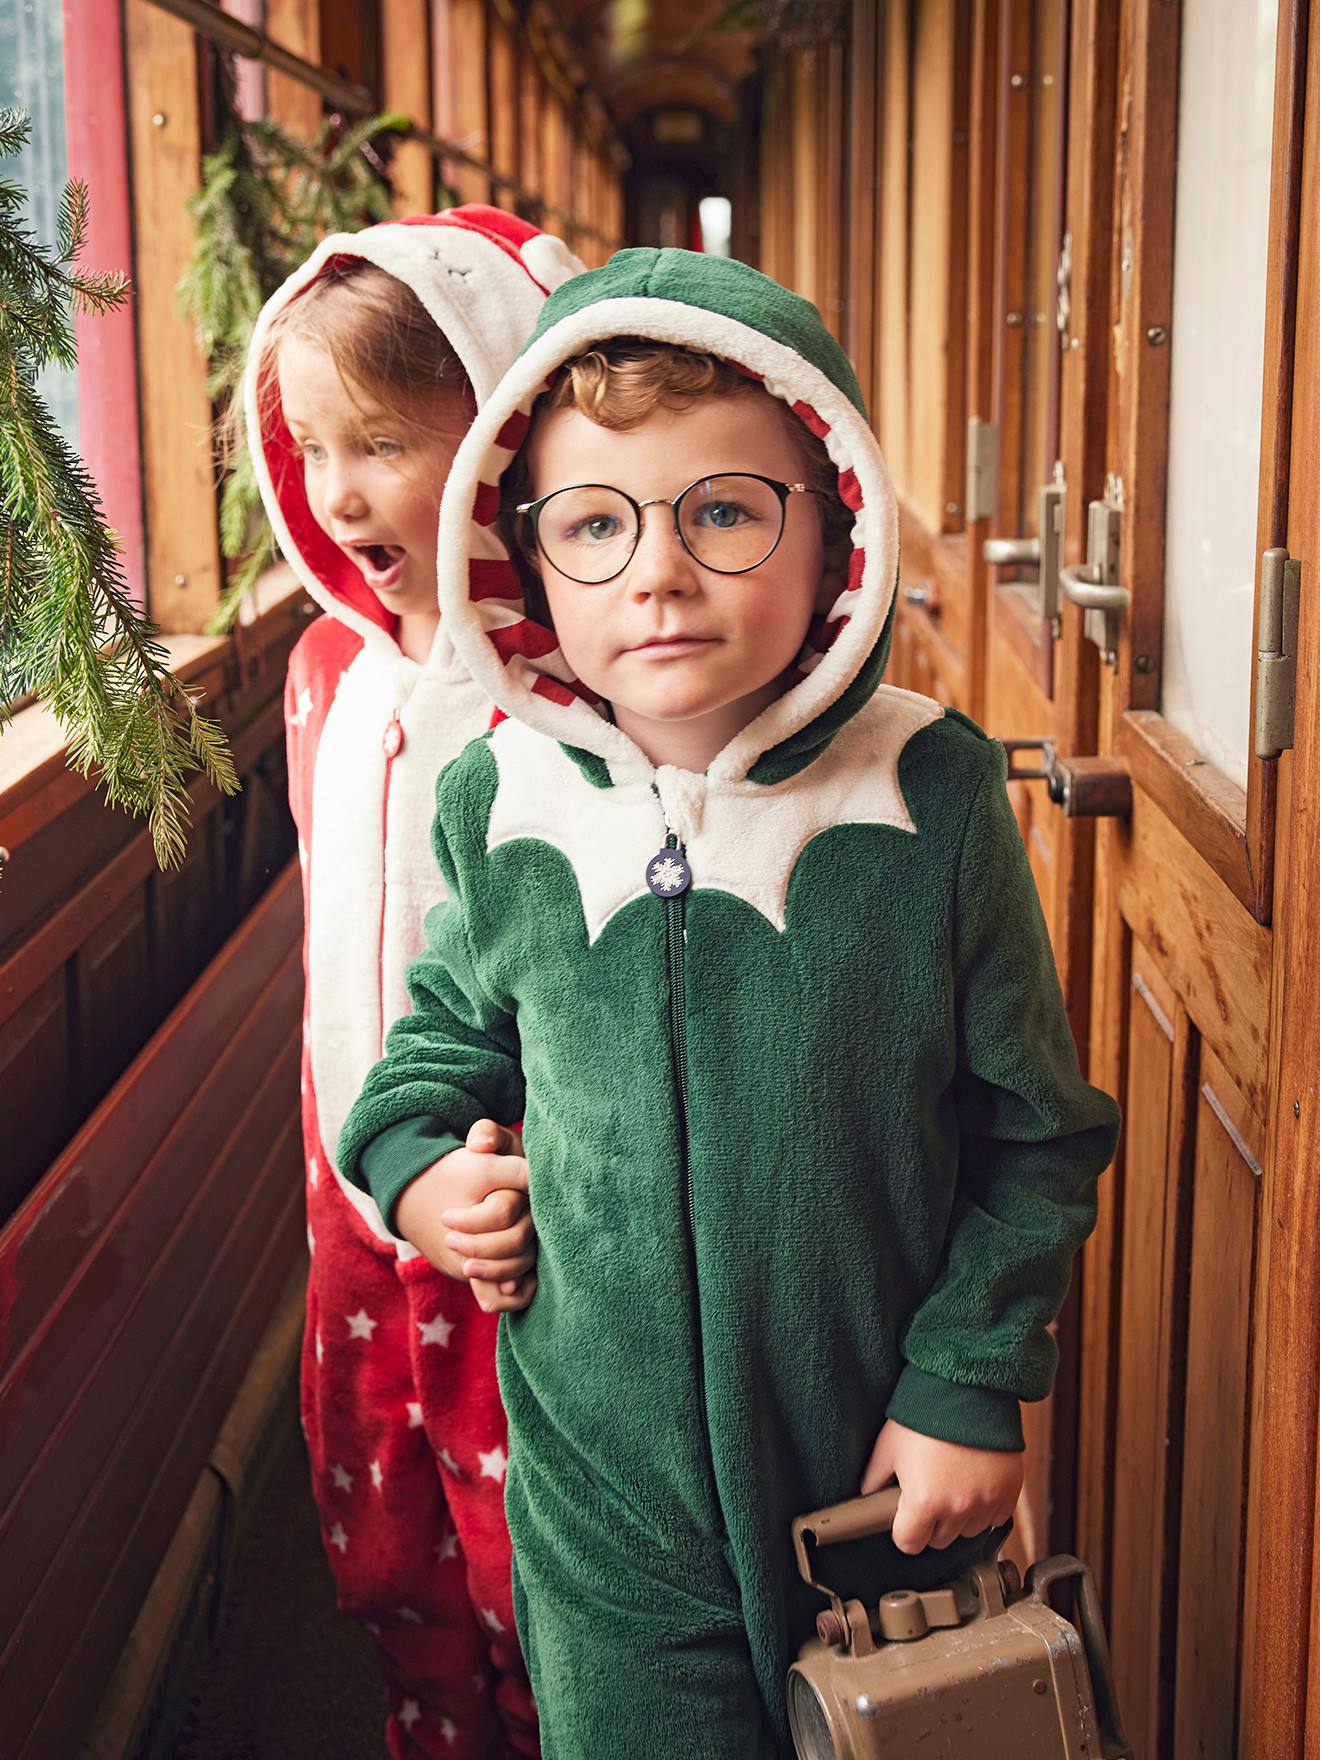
1040	683
1202	291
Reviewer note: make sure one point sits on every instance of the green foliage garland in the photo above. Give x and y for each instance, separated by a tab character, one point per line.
69	633
266	201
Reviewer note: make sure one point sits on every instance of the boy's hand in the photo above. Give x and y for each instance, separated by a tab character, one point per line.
947	1490
469	1214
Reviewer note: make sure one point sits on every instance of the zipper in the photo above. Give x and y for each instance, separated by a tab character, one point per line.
669	878
675	959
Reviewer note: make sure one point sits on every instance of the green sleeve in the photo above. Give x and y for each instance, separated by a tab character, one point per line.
453	1060
1034	1139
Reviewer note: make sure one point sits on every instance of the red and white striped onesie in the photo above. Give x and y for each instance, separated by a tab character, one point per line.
399	1397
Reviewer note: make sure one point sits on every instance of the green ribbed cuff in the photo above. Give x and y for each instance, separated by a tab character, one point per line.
976	1417
393	1160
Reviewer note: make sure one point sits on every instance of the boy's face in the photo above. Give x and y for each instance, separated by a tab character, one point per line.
685	656
372	483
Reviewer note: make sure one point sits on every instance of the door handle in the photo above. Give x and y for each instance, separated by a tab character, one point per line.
1086	788
1079	583
1001	552
925	599
1045	552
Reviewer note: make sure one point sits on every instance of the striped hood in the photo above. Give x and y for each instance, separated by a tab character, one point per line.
727	309
482	275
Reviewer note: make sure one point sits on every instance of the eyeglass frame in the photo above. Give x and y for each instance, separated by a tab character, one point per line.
532	510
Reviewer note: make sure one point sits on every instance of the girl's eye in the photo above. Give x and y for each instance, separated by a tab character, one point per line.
386	448
313	453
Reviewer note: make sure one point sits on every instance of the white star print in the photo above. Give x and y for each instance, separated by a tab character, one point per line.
320	1348
447	1730
435	1331
311	1239
338	1537
342	1477
313	1173
492	1619
303	711
377	1477
411	1615
449	1463
494	1463
409	1712
414	1414
448	1547
361	1325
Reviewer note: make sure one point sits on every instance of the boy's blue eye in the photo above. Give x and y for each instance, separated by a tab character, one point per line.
598	529
723	515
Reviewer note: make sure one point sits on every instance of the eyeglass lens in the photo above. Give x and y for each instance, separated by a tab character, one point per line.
727	523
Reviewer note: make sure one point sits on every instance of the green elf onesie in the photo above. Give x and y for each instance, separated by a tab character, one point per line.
808	1142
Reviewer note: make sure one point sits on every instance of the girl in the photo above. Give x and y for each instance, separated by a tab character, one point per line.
364	371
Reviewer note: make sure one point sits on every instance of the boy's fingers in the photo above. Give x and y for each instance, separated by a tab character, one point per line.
488	1138
492	1299
912	1527
503	1243
880	1467
499	1209
496	1270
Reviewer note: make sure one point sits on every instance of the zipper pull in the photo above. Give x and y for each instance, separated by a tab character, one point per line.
392	742
667	872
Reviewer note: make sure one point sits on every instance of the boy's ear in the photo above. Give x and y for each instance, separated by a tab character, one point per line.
834	569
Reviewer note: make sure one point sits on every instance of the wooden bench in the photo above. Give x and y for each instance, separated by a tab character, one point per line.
135	1282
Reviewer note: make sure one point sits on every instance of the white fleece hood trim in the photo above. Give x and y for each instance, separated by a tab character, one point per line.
517	661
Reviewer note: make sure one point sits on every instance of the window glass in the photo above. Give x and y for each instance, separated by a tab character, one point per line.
32	79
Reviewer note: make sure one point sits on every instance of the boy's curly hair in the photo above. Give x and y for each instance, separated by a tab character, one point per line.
620	382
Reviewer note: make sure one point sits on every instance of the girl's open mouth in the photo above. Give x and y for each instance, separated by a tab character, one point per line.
381	564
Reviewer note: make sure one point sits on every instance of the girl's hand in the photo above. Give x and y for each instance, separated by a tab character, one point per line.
947	1490
482	1186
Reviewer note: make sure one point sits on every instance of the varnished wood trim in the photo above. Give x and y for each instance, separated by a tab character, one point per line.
1209	810
1026	633
1283	255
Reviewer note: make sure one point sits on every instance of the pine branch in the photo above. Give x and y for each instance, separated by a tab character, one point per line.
266	200
68	630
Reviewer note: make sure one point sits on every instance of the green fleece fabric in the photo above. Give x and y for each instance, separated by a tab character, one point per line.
863	1199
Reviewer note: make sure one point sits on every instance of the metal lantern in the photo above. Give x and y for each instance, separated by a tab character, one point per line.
980	1669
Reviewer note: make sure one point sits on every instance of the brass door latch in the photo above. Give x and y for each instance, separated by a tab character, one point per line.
1086	788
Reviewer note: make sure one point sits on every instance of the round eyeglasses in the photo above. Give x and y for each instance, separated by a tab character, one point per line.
730	523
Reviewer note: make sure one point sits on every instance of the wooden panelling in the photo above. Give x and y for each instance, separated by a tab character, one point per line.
1216	957
861	168
1161	1066
406	75
941	64
529	120
295	25
139	1276
458	86
501	28
1225	1210
893	409
112	997
183	554
36	1083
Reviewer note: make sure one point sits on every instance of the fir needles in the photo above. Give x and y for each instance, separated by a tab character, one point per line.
69	633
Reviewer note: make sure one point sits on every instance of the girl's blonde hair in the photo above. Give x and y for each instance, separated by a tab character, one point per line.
385	346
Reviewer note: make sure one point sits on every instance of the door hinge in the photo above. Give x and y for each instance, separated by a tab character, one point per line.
1276	652
982	495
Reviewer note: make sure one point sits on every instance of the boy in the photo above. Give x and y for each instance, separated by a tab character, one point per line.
750	942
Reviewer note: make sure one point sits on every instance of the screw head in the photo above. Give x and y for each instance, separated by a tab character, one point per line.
1297	1105
181	580
1156	335
1017	81
1014	320
1038	1687
1144	663
159	119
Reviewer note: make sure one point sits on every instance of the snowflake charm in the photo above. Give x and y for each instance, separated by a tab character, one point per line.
668	874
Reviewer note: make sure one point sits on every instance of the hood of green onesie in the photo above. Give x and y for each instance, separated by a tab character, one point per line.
733	311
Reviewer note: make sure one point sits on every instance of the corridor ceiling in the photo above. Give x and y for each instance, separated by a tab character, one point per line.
646	55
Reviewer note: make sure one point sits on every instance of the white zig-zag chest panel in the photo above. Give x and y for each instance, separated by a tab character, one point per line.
741	837
373	873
